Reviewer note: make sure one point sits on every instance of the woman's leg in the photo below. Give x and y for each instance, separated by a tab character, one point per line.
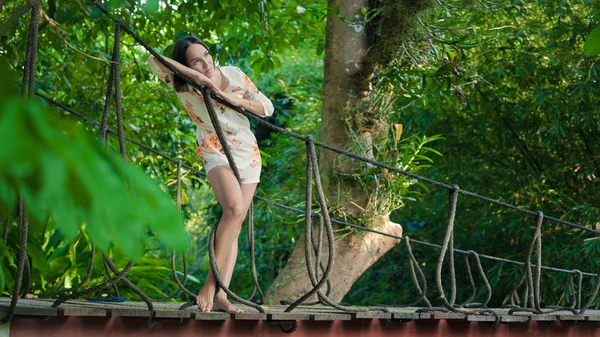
229	194
221	302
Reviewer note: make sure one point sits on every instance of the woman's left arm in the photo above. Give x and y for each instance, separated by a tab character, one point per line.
253	100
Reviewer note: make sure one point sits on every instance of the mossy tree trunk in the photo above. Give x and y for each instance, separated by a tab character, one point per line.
350	61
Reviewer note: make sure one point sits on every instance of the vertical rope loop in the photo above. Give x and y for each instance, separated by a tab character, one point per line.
23	227
577	300
414	264
453	196
471	282
488	286
592	296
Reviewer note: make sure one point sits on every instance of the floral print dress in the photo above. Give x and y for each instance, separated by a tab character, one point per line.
236	126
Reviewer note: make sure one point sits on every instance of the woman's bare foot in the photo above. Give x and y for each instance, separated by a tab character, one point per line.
223	304
204	300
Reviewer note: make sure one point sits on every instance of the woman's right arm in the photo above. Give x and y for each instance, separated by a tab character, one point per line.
165	74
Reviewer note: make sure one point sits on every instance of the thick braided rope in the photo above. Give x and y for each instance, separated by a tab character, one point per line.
118	276
414	264
471	282
292	209
117	78
312	167
317	264
308	233
131	286
331	239
592	296
252	256
215	270
447	241
318	250
529	277
33	37
26	286
326	222
23	226
109	90
27	88
107	271
452	266
579	286
447	244
572	292
538	268
28	79
488	286
534	281
116	58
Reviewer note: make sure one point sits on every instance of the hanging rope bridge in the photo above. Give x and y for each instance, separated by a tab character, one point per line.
531	276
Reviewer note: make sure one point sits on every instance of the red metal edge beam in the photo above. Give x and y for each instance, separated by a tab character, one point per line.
138	327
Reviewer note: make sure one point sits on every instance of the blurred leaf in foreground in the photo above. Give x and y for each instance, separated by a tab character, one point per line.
65	174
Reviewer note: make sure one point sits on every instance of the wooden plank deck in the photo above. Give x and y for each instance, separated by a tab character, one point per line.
82	308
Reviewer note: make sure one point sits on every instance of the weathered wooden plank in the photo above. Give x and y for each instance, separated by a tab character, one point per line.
130	312
573	317
211	316
81	311
481	318
249	316
373	314
26	310
173	314
330	317
513	318
448	315
409	315
547	317
285	316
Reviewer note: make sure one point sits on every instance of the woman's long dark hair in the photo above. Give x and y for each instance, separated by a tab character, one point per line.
179	50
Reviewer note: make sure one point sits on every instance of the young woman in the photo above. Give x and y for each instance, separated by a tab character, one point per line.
192	57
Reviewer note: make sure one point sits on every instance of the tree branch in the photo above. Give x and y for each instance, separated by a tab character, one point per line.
51	13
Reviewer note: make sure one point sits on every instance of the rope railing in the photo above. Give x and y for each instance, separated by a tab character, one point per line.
294	209
308	216
531	277
301	211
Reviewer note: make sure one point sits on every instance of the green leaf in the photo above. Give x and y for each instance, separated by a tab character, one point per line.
152	6
445	68
591	46
38	259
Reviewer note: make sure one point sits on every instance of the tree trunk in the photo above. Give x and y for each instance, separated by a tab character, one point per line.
358	40
353	255
347	80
